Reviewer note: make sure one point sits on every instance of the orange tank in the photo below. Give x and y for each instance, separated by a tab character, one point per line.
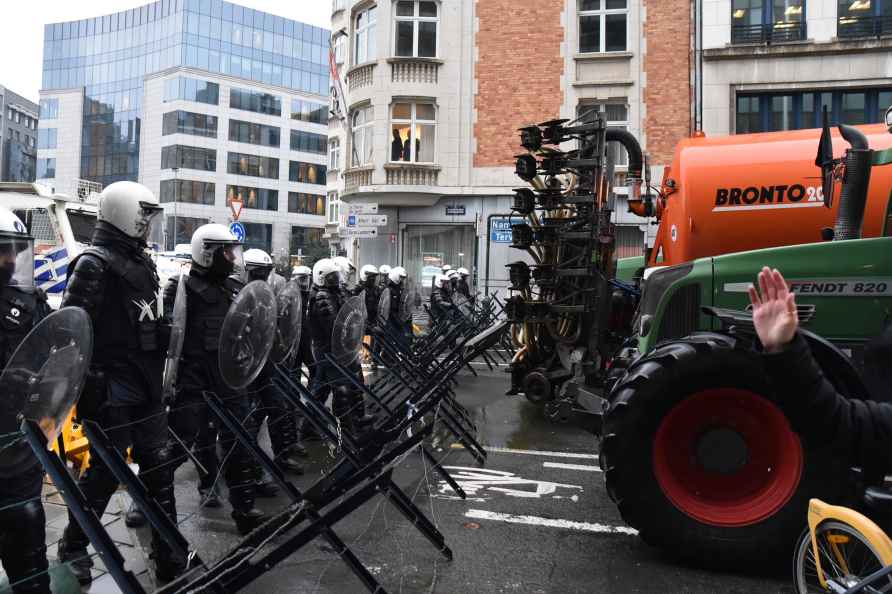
745	192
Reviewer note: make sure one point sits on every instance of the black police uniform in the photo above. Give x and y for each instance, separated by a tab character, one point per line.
463	288
115	281
209	296
22	525
441	306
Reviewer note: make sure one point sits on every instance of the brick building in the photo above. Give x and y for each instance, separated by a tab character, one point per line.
433	94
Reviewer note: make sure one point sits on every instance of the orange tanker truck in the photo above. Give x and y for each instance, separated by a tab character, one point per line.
738	193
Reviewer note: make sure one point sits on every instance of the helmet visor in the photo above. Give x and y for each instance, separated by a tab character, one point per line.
303	281
150	225
16	260
234	254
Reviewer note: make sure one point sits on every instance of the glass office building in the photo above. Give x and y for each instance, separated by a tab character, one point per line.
109	56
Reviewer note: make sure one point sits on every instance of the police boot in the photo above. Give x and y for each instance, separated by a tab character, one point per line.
264	486
246	521
167	566
134	518
288	461
73	552
240	477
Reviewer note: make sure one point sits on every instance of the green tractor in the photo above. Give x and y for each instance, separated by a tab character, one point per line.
695	453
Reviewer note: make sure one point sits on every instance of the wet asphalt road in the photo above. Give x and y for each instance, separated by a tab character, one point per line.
537	520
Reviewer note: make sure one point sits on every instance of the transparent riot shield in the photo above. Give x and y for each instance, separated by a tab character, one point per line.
383	313
43	380
248	334
408	304
276	281
463	304
349	326
288	325
175	346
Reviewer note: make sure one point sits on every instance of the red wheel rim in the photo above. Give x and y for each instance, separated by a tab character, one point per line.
727	457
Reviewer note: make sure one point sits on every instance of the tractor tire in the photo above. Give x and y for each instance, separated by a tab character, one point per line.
703	464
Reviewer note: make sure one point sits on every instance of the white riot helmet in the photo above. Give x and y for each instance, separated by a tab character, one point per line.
441	281
214	247
397	275
259	264
384	270
452	274
132	209
367	271
326	273
463	272
16	251
303	275
346	267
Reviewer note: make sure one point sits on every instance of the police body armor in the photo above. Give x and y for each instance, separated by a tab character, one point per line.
325	306
396	300
20	310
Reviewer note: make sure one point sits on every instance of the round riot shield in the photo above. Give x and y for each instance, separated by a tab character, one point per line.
175	345
408	305
349	326
43	379
247	335
276	281
289	304
383	313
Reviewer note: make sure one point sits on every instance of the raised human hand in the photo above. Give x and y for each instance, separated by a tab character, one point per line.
774	310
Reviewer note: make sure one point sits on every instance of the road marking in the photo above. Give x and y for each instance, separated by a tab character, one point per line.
479	514
482	481
571	466
495	450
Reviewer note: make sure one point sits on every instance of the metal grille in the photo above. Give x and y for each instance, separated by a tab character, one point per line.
629	241
772	33
864	26
41	228
682	315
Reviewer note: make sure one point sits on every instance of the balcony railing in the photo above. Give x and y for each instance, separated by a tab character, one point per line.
864	26
773	33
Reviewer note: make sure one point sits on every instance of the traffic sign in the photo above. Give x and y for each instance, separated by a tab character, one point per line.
360	232
362	208
235	205
500	231
238	230
358	220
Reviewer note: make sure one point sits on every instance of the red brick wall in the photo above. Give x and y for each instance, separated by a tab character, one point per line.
518	71
668	94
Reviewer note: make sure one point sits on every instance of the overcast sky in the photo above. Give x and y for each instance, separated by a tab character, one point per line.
21	30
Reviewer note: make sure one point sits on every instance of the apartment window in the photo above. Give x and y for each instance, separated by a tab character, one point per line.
10	113
187	122
252	133
187	190
340	48
361	131
18	117
413	132
334	154
242	164
603	25
259	198
308	142
771	112
49	109
185	228
258	236
190	89
311	204
616	115
364	36
864	18
332	207
29	141
46	138
188	157
257	102
766	21
307	173
46	168
18	136
308	111
415	29
304	237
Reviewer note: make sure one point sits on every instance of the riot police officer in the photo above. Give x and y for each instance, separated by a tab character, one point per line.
22	519
463	288
115	281
348	272
281	422
210	289
303	276
441	301
383	274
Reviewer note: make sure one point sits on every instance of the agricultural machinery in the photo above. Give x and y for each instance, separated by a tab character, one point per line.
695	453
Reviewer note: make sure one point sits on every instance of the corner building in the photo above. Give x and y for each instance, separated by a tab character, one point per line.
202	101
434	93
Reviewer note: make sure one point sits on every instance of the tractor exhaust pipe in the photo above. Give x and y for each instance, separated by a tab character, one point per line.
853	197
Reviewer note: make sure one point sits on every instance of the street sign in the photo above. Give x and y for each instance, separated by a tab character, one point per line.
360	232
235	205
238	230
358	220
500	231
362	208
455	211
